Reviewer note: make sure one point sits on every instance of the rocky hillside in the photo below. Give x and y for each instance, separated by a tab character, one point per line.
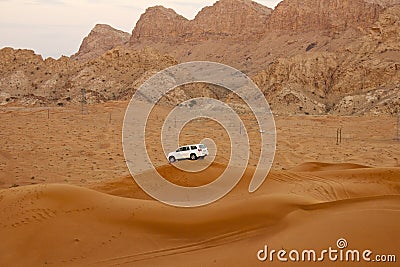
308	57
28	79
362	78
101	39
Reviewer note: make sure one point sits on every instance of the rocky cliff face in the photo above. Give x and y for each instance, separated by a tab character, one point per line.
386	31
328	15
384	3
101	39
226	18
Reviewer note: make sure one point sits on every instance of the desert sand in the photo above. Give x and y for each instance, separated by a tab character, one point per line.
67	198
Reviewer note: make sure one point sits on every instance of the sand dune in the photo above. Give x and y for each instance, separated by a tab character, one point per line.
311	207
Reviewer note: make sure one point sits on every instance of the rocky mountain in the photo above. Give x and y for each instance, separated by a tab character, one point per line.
226	18
101	39
159	24
238	19
249	36
308	57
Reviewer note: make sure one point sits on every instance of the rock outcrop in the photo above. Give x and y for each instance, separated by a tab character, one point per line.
238	19
101	39
159	24
326	15
225	19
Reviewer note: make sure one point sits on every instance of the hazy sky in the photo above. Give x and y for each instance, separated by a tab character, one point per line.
57	27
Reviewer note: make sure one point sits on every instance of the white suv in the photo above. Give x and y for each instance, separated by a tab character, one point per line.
188	152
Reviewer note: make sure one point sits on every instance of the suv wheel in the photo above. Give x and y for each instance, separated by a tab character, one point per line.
193	156
172	159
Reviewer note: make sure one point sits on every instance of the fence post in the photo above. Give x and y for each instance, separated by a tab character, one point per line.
398	126
338	136
83	101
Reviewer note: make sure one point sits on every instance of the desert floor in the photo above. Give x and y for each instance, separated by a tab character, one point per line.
67	198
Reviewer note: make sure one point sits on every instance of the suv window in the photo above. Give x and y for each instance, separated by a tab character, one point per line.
193	147
202	146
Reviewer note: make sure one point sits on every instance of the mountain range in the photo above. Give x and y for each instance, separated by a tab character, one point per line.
307	56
